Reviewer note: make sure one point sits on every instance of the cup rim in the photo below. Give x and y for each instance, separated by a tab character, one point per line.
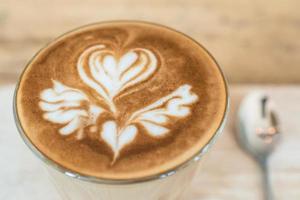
94	179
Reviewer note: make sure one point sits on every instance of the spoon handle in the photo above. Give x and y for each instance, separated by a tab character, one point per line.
268	193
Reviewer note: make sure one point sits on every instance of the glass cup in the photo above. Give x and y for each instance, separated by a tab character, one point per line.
168	185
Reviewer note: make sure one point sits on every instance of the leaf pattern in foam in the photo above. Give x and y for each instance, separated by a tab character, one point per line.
63	105
105	72
156	116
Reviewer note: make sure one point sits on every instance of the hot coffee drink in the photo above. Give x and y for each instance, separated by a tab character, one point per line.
121	100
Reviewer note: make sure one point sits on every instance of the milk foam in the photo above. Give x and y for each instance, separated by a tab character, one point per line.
62	105
109	74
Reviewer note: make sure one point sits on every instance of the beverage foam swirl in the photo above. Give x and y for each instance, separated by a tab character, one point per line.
109	74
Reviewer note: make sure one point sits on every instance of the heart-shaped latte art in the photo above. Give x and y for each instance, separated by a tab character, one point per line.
116	138
109	75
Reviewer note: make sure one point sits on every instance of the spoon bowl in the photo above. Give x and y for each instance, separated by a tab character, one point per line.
258	131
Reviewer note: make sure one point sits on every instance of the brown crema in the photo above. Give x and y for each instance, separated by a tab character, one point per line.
144	64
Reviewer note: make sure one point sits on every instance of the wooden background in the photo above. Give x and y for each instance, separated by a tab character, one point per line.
254	41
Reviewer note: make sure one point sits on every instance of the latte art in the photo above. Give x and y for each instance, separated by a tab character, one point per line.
62	105
121	100
109	77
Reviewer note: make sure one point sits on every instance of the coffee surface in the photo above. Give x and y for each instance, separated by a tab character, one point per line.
121	100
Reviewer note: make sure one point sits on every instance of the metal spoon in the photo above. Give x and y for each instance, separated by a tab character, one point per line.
258	132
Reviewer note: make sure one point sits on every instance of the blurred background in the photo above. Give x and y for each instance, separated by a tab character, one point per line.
254	41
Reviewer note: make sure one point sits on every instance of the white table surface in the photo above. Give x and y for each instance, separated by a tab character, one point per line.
226	173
